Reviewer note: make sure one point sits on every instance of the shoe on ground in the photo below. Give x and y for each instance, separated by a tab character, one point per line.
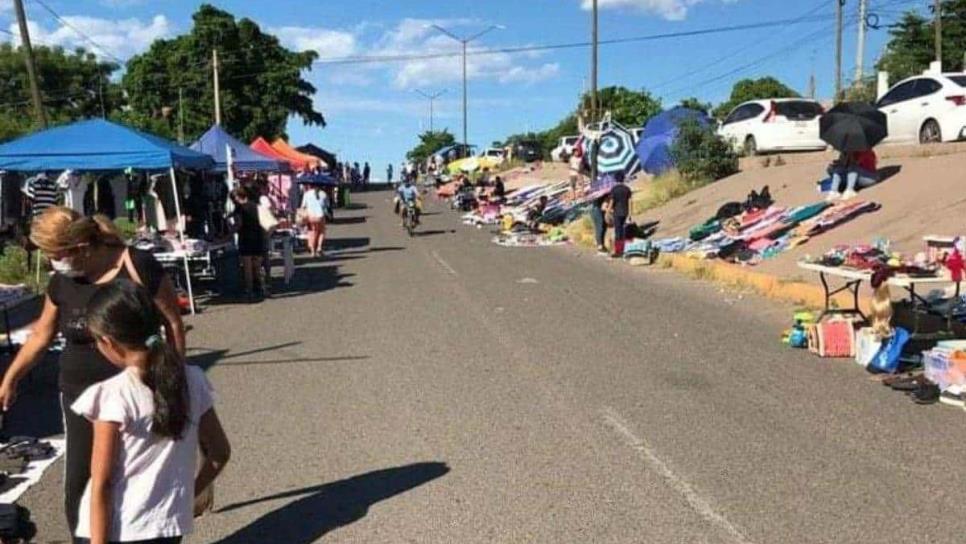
927	393
951	399
832	196
849	195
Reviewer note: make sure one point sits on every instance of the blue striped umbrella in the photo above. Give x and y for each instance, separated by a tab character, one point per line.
616	151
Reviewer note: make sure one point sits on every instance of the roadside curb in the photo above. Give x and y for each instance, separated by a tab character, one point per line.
772	287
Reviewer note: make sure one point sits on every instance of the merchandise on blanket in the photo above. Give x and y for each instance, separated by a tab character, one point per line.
867	346
557	235
671	245
887	359
797	336
833	339
945	367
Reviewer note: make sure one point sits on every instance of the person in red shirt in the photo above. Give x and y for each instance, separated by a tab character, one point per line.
859	168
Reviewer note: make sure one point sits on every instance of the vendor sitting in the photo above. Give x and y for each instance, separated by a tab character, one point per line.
536	213
859	168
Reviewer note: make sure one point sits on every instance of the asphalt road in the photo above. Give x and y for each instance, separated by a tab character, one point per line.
441	389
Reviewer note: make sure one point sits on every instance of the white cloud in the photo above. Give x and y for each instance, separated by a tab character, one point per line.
672	10
519	74
328	43
418	37
122	3
121	38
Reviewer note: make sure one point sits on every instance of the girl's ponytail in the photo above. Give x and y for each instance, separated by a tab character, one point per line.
125	312
167	380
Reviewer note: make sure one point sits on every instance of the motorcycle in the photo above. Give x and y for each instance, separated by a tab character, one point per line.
409	218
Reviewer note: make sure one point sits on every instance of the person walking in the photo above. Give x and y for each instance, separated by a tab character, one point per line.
251	239
366	173
85	253
150	420
389	174
620	198
314	203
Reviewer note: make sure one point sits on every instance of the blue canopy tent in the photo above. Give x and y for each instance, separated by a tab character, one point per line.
654	149
317	179
216	142
99	145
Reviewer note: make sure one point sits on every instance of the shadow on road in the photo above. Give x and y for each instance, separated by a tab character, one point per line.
339	244
421	233
348	220
313	279
322	509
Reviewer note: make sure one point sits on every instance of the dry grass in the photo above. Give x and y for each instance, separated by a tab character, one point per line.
661	190
647	196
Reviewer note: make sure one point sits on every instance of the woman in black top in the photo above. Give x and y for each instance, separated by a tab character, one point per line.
85	253
251	236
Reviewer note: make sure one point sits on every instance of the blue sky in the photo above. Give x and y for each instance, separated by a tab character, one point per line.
374	112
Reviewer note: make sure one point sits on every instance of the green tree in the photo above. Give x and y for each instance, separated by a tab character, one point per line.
429	143
74	85
910	48
754	89
261	81
911	44
628	107
701	155
697	105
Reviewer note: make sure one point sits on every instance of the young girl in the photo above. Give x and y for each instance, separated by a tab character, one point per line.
149	421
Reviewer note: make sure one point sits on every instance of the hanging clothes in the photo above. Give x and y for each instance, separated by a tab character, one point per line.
73	187
154	211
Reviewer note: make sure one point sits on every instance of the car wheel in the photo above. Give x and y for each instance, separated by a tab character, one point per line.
751	146
930	133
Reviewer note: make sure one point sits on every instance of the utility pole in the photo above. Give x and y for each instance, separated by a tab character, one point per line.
839	4
100	91
214	64
31	67
180	116
593	93
811	86
432	98
860	44
938	17
465	41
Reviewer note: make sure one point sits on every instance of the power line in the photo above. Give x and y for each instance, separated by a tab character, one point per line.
367	59
755	43
86	38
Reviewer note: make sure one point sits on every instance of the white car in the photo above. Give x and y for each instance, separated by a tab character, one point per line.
495	153
927	109
566	147
780	124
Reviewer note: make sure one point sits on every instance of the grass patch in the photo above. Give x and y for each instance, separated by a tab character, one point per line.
15	269
663	189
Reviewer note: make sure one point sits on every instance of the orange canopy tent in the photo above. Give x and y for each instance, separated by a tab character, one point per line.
262	146
282	147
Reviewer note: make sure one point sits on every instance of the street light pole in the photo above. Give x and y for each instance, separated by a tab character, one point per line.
31	67
432	98
464	41
593	94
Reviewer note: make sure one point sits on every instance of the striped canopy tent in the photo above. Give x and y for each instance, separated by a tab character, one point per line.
283	148
616	151
262	146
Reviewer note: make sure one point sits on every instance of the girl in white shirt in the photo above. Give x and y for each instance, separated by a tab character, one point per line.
149	422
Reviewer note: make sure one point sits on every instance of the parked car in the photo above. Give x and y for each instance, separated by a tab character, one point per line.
497	154
927	109
564	148
781	124
527	151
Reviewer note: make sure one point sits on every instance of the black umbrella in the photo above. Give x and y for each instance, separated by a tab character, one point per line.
853	126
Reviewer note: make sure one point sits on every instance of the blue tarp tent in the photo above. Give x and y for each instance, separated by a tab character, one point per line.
654	149
216	142
96	145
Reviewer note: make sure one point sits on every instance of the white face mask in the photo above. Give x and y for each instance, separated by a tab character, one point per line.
63	266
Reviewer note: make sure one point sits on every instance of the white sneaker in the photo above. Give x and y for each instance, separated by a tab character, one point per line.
849	195
832	196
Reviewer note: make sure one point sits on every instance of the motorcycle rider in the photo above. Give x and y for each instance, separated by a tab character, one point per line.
408	194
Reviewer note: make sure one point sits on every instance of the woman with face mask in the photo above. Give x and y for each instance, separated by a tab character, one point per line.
85	253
